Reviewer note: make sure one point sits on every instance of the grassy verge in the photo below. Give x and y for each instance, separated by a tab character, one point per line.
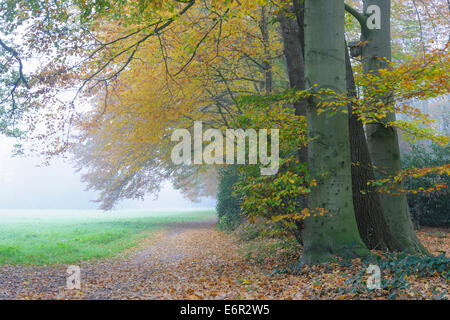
52	237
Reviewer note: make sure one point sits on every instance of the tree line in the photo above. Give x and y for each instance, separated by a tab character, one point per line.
136	71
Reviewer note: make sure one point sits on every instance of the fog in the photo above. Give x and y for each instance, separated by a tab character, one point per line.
24	184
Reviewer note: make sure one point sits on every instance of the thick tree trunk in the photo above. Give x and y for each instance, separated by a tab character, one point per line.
292	32
368	212
383	141
299	10
329	149
371	224
293	52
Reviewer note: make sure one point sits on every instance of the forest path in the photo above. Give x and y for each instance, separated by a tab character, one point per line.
166	265
194	260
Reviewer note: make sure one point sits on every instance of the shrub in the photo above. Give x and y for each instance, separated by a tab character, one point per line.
277	199
228	208
428	209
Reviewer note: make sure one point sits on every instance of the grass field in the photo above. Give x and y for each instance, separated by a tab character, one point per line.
51	237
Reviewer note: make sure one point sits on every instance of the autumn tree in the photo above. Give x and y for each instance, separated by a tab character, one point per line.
368	212
383	141
329	145
146	68
198	82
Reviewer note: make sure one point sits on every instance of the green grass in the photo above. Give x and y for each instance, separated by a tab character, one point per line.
52	237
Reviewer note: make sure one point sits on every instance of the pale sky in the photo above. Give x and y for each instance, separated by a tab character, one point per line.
23	185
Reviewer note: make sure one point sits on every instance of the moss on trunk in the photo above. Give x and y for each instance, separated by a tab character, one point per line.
329	149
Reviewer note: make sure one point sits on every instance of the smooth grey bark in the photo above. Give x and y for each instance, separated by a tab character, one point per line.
369	216
329	147
383	141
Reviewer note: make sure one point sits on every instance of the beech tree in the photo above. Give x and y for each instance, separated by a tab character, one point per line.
150	67
329	145
383	140
224	63
368	211
372	225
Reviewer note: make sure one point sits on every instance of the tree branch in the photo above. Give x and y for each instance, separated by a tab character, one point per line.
362	19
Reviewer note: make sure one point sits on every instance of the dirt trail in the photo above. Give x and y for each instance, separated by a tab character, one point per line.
195	261
152	272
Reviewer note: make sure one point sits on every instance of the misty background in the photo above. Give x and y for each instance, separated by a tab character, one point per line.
26	184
